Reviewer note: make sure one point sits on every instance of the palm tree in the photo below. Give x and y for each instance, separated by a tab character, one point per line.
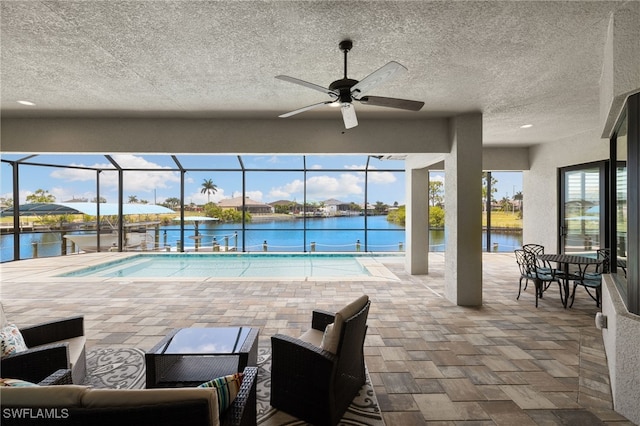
133	199
209	188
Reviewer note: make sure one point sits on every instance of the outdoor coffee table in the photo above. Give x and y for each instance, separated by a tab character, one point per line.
187	357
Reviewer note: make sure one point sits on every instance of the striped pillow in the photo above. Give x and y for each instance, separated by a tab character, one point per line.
227	388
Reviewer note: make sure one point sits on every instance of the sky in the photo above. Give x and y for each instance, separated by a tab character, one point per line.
328	176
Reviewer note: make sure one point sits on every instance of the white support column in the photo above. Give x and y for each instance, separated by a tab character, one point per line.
417	221
463	211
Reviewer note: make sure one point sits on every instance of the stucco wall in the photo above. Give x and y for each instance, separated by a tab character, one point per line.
540	214
621	342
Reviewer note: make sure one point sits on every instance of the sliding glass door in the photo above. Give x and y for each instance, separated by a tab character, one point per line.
581	206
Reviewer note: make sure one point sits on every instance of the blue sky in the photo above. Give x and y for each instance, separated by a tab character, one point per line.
327	177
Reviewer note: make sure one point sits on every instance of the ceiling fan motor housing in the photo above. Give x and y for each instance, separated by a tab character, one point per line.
343	86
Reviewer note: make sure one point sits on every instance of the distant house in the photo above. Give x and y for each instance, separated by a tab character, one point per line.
335	207
77	200
282	206
251	206
371	209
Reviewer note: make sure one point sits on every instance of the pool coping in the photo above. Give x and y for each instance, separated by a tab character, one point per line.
49	269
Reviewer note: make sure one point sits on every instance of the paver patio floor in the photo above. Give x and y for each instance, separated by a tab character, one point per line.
431	362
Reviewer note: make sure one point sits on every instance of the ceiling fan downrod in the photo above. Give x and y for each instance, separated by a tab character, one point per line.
345	46
344	85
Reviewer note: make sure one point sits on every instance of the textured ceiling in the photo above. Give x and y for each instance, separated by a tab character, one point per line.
518	62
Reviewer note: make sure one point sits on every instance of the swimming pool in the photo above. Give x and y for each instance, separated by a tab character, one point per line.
229	265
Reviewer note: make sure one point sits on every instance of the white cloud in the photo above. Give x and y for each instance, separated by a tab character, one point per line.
374	177
277	194
134	181
199	198
254	195
74	175
320	188
382	177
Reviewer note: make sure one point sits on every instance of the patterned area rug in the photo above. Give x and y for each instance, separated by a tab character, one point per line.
363	411
115	368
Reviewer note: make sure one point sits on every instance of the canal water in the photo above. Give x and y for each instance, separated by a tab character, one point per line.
333	234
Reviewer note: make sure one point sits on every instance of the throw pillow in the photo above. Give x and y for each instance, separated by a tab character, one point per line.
227	388
333	337
11	340
15	383
329	342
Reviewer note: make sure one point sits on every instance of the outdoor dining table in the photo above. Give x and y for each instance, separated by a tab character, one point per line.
565	260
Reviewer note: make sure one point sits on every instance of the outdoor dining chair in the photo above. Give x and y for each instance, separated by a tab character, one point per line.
529	271
592	279
537	249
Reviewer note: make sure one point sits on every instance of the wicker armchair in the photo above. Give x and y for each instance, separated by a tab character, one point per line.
60	377
313	383
48	351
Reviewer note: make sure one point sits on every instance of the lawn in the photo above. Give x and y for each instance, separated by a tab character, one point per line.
503	220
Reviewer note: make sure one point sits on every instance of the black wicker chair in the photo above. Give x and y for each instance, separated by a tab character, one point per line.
60	377
47	351
314	384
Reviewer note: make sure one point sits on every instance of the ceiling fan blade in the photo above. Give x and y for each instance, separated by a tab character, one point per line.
377	77
392	103
307	108
349	115
307	84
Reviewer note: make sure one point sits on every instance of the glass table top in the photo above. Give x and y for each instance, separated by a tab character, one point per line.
210	340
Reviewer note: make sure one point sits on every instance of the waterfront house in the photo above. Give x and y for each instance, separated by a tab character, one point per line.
246	203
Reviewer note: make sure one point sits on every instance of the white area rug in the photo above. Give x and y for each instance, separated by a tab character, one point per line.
115	368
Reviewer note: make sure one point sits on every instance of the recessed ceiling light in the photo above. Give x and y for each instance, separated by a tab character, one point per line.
26	103
526	126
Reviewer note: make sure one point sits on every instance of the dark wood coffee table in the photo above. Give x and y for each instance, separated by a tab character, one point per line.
187	357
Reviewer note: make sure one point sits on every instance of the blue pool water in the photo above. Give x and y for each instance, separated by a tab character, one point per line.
227	265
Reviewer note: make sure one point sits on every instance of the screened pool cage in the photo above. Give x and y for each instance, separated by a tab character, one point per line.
303	225
109	218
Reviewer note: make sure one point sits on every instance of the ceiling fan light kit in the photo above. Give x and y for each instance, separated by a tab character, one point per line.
346	90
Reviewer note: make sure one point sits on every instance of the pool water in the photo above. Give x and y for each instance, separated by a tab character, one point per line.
228	265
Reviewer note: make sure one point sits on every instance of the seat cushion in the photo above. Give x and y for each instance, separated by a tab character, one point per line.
62	396
76	348
3	317
312	336
112	398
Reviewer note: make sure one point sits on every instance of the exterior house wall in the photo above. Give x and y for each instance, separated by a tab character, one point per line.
622	340
621	78
540	183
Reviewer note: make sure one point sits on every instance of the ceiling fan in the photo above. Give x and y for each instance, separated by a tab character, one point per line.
344	91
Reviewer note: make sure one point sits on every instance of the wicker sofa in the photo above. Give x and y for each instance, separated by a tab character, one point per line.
81	405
